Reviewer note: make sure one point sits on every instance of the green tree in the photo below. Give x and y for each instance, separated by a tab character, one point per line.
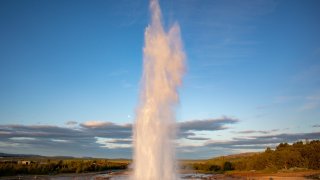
227	166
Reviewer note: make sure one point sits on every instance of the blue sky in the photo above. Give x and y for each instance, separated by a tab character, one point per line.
253	71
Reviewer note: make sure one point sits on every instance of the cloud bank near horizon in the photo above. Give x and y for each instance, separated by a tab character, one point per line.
107	139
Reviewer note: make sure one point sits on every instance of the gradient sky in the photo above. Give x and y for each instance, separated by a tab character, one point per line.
70	66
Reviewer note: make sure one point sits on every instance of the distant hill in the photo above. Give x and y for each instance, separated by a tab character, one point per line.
7	155
30	156
237	156
18	155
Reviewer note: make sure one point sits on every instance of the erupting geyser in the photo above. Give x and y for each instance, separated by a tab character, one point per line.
154	131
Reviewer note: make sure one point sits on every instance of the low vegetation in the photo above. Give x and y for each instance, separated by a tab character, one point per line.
55	166
298	156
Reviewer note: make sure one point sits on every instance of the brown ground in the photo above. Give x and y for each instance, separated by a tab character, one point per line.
310	174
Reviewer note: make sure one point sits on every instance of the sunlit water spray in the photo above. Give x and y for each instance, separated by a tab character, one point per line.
154	131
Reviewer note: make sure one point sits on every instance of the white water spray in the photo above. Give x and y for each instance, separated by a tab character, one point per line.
154	131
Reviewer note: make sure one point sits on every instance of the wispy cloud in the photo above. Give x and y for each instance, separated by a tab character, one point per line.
105	125
286	99
71	123
114	143
197	138
310	105
311	102
216	28
60	140
212	148
22	138
261	142
278	100
207	124
308	102
255	131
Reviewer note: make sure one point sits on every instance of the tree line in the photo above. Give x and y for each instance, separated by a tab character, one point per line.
284	156
298	155
60	166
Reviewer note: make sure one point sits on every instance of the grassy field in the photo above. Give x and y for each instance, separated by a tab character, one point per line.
41	165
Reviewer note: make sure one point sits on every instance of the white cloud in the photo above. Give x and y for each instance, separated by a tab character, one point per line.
113	143
60	140
23	138
9	144
95	124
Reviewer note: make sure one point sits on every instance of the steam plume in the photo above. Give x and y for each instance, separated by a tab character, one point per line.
163	67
